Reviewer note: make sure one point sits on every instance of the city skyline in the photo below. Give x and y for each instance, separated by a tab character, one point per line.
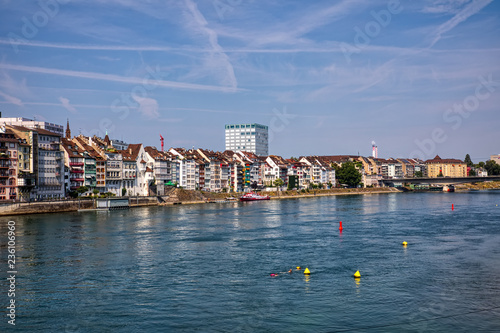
419	79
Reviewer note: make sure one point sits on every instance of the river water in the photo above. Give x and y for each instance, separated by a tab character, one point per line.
206	268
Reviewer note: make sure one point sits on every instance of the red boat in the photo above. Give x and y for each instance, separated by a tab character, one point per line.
254	197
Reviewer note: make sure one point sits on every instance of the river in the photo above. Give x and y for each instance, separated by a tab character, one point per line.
206	268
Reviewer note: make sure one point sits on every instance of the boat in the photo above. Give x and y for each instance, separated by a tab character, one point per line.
254	197
448	188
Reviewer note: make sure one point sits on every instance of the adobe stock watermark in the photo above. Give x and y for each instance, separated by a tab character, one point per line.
224	6
121	106
372	29
30	26
454	116
279	122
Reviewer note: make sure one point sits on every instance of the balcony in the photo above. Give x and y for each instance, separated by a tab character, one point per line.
77	179
76	171
76	164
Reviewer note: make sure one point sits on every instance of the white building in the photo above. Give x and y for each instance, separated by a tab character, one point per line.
248	137
34	124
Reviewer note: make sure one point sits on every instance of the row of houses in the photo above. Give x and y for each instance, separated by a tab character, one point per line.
38	164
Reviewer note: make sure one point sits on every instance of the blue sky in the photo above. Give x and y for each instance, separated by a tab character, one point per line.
419	78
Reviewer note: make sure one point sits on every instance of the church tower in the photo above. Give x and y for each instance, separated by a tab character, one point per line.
68	131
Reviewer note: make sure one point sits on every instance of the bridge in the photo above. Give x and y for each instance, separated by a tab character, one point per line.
440	180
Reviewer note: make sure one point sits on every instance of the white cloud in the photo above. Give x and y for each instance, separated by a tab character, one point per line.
147	106
65	103
114	78
11	99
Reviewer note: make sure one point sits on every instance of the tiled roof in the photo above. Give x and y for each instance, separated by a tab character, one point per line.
438	159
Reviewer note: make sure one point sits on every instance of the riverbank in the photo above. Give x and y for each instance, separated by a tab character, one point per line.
492	185
175	196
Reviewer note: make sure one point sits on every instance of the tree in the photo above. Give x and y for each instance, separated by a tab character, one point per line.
348	174
292	182
472	172
468	161
480	164
82	189
492	167
124	191
440	174
278	182
419	174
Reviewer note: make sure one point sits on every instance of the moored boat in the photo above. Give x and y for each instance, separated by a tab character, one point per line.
448	188
254	197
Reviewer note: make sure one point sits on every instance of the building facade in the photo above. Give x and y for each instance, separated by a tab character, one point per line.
34	124
438	167
248	137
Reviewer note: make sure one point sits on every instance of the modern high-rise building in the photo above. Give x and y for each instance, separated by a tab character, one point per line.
248	137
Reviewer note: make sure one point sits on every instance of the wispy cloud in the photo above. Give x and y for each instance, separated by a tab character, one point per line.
65	103
114	78
11	99
460	17
217	61
444	6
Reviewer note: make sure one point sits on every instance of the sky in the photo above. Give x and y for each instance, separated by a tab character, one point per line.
417	78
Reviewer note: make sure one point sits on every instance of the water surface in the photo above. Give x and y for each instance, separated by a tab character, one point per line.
206	268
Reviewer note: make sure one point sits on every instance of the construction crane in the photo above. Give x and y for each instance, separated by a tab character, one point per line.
161	139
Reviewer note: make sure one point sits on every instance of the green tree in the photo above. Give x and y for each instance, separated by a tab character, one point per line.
348	174
124	191
480	164
292	182
468	161
95	191
419	174
492	167
82	189
472	173
440	174
278	182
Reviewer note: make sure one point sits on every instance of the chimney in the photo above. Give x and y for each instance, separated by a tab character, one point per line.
130	151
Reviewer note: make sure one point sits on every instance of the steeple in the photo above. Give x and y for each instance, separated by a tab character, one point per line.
68	131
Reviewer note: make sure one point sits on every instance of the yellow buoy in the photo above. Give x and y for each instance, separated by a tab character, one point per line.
357	275
405	243
298	267
306	271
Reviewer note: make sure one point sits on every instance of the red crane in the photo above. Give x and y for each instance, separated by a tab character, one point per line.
161	139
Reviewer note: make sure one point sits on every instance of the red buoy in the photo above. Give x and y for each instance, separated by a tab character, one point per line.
340	227
452	208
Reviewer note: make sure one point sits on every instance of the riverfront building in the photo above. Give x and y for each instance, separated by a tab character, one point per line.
33	124
253	138
438	167
495	158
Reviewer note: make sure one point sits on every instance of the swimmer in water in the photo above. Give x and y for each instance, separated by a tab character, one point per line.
290	271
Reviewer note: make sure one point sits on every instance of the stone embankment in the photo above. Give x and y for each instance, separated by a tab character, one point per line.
172	196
